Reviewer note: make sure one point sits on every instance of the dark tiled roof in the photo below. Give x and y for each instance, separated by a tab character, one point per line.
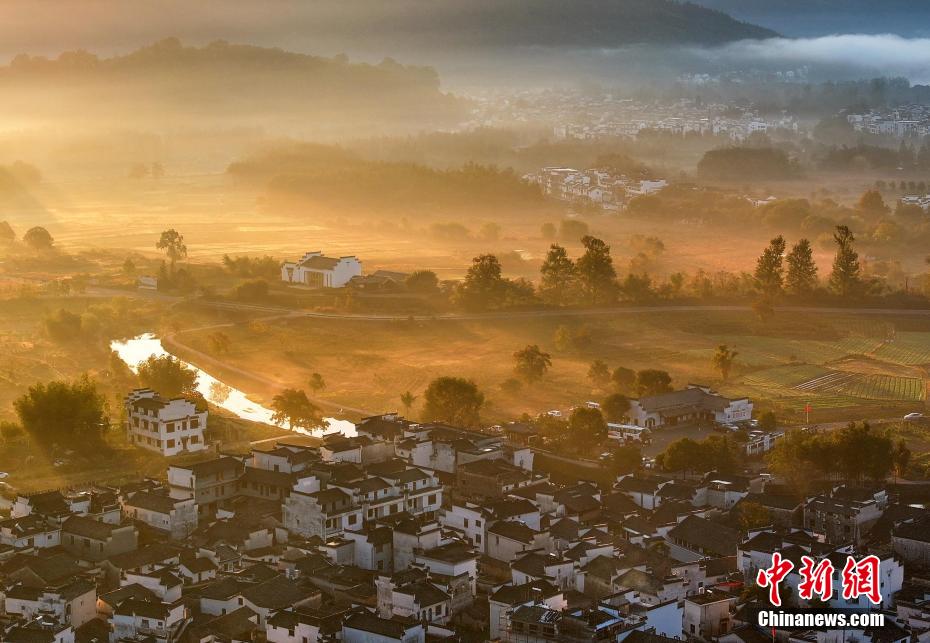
147	555
918	530
453	552
88	528
277	593
367	622
319	262
774	501
685	398
214	466
514	531
424	593
706	536
153	502
516	594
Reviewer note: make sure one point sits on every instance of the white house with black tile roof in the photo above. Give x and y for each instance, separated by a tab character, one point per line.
694	404
166	426
318	271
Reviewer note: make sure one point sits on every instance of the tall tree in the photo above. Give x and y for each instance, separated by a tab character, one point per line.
7	235
531	364
172	243
220	342
453	400
802	271
586	426
615	407
626	459
558	276
790	460
599	373
723	360
64	413
770	269
596	271
483	286
681	456
652	381
752	515
316	383
38	238
422	282
293	408
845	278
407	399
901	458
167	376
872	202
624	379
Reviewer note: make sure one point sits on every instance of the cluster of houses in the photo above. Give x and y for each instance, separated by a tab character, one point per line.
411	532
585	115
607	189
903	121
921	200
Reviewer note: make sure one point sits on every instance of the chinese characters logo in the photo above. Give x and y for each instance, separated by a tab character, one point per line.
858	578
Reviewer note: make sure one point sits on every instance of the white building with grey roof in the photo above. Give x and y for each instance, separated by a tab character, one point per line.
167	426
316	270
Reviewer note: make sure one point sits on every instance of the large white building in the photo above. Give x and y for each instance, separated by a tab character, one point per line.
168	427
318	271
693	404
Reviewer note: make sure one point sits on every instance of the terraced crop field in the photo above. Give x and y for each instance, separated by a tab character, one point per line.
909	349
788	376
875	387
796	385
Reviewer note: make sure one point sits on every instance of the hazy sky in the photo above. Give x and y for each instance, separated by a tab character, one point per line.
416	31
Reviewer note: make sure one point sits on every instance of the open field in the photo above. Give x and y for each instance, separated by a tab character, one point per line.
368	364
218	217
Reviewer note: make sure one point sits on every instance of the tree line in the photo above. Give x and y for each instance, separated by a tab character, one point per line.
591	279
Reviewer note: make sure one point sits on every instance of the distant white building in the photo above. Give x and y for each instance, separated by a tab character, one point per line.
318	271
690	405
168	427
147	282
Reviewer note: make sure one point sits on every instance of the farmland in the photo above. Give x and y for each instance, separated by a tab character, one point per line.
369	364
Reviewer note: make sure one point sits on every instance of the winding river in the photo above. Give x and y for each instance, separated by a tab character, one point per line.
138	349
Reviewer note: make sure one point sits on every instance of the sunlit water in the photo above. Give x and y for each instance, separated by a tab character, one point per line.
138	349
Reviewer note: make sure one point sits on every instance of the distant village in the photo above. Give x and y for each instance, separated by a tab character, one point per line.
580	115
609	190
415	532
904	121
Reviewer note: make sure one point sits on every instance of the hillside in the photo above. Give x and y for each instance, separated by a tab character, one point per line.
543	23
224	84
320	178
811	18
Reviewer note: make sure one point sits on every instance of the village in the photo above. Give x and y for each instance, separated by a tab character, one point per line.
414	532
592	115
474	321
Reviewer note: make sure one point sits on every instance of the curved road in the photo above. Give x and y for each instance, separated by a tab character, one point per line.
278	311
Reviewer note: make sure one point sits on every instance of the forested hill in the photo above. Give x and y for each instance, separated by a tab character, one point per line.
908	18
168	81
540	23
607	23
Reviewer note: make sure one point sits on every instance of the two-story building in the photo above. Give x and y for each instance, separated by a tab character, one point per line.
168	427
